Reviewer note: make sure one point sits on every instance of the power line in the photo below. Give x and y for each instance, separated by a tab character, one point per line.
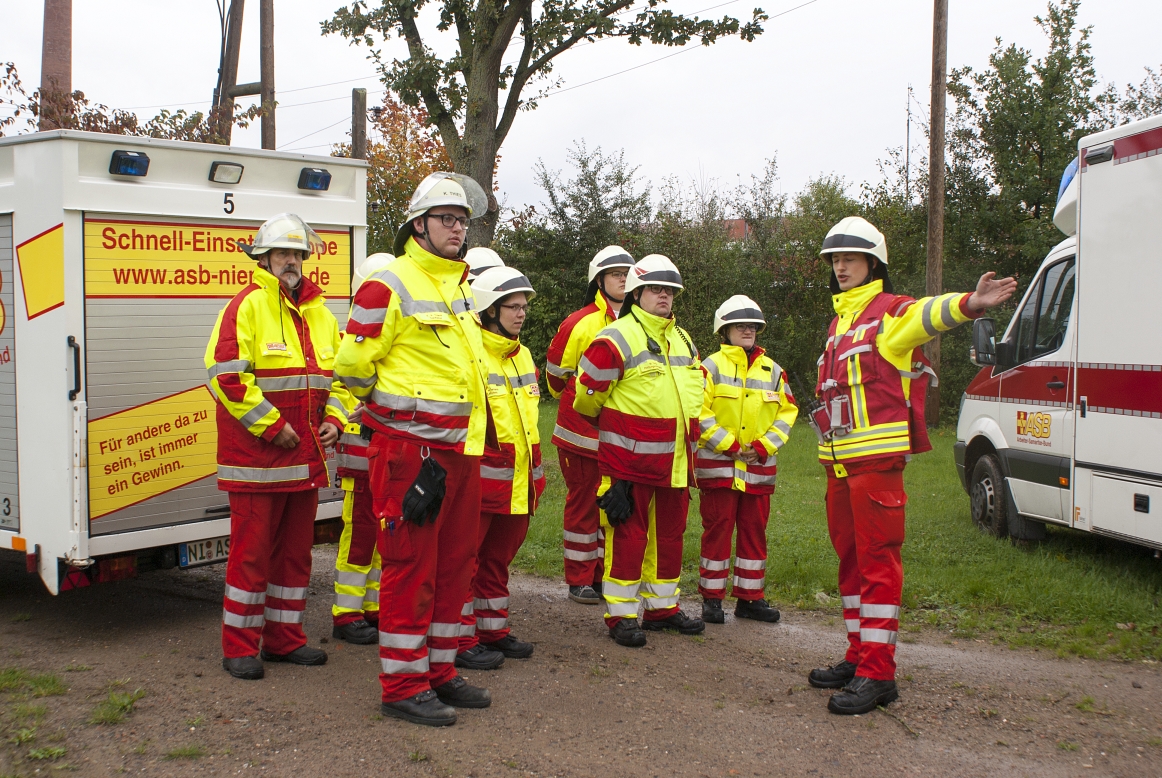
316	132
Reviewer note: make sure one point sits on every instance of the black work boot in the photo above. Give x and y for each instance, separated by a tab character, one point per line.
425	708
303	655
598	587
712	612
627	632
358	632
586	595
248	668
757	610
833	677
679	622
479	658
862	695
511	647
461	694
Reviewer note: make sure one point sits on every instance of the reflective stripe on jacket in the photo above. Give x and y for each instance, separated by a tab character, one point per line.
351	454
269	362
513	394
646	403
413	353
573	432
746	401
871	358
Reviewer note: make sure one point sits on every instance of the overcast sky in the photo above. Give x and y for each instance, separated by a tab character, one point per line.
824	88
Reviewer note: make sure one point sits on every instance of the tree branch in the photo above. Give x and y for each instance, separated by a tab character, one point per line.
438	112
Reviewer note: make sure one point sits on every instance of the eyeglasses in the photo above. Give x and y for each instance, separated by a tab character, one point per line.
516	308
449	220
659	289
617	274
747	327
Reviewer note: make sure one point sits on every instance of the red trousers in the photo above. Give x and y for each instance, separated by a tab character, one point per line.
426	570
644	554
583	531
865	516
268	571
484	618
722	511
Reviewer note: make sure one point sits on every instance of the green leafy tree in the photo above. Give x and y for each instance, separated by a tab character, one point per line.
463	92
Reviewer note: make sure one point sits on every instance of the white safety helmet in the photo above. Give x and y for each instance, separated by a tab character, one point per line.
496	283
285	231
369	267
738	310
654	269
480	259
856	234
441	189
609	257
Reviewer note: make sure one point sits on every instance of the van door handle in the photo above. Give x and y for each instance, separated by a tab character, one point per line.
76	347
1056	384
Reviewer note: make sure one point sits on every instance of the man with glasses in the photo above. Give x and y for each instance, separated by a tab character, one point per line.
413	353
641	383
575	436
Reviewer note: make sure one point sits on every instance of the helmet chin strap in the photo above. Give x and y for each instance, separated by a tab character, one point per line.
601	285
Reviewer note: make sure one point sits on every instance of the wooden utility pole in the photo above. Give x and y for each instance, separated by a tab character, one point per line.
56	63
359	123
935	274
228	77
266	63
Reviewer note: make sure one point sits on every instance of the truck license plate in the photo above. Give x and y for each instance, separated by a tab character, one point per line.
204	552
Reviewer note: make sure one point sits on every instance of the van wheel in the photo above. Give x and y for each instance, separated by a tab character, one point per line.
990	510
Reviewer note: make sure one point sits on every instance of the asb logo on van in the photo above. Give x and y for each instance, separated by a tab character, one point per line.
1033	424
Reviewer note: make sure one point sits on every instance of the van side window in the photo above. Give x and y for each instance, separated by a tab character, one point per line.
1043	321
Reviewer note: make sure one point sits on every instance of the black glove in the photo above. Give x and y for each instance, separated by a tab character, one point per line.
617	502
424	497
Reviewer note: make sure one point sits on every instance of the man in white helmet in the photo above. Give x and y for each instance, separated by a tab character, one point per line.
641	383
870	420
269	360
413	353
574	436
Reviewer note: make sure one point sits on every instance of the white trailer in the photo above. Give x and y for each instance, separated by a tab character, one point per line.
116	254
1063	424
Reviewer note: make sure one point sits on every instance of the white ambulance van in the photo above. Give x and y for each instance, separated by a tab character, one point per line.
116	254
1063	424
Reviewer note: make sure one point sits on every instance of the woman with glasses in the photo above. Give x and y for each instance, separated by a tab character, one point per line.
511	476
747	414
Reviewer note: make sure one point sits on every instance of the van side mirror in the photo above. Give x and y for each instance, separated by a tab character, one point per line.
984	343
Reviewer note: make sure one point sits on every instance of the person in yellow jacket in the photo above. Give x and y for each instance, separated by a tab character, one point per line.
870	420
511	476
641	383
413	353
269	363
747	416
574	436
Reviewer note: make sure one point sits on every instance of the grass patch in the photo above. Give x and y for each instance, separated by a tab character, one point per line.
47	685
114	708
1066	594
20	617
417	756
50	752
186	752
23	736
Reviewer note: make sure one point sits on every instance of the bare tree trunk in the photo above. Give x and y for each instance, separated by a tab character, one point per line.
935	274
56	63
225	106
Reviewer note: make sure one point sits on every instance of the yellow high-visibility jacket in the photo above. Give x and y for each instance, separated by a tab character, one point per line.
269	362
507	473
413	353
746	402
646	402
